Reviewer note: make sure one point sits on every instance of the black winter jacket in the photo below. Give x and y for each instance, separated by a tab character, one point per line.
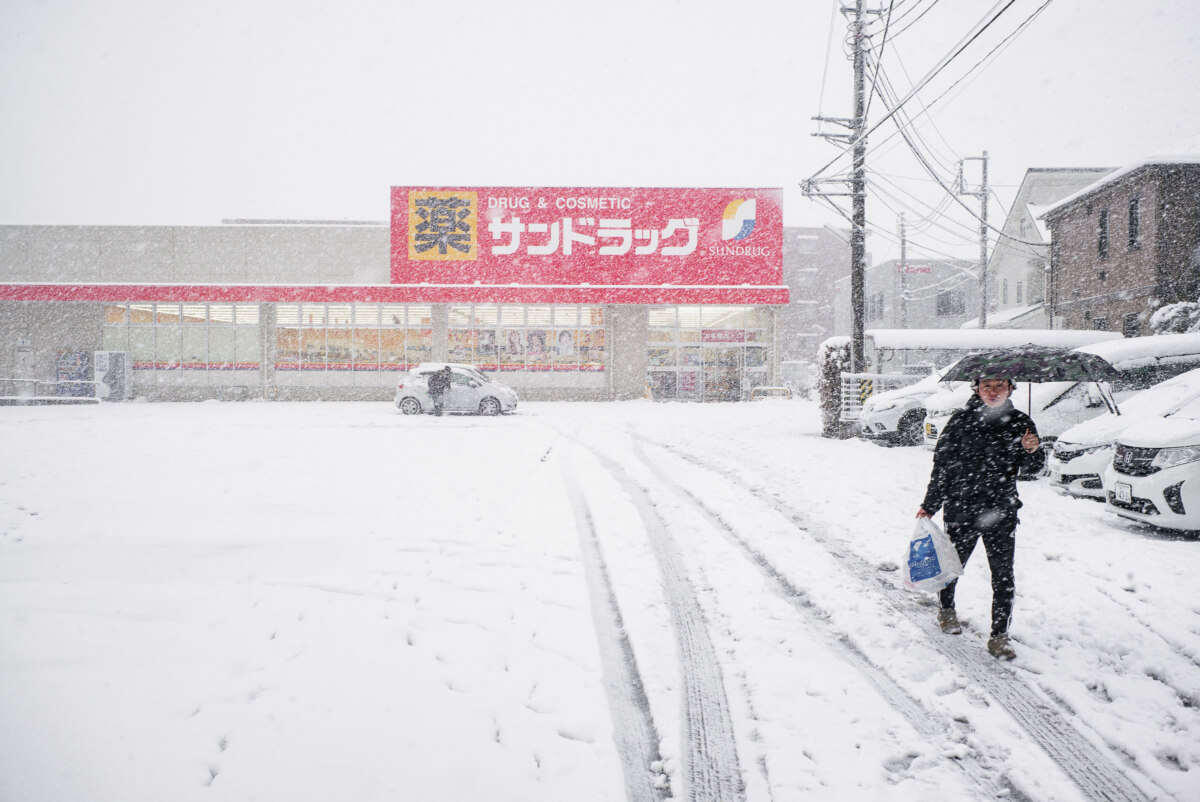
976	462
439	382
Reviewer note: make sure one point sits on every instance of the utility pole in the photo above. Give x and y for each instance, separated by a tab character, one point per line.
857	140
903	275
858	193
982	194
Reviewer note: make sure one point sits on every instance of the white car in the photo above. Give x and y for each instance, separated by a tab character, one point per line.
1054	406
471	391
1154	476
1083	451
897	416
1057	406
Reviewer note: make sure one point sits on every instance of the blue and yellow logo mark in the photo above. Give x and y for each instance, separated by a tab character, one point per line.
738	220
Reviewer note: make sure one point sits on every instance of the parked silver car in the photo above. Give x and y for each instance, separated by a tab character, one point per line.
898	416
471	391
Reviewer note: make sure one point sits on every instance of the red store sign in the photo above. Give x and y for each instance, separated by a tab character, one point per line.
587	236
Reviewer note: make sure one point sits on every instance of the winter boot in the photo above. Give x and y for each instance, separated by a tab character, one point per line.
948	621
999	648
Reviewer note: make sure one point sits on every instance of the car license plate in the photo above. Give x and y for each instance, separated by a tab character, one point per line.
1123	492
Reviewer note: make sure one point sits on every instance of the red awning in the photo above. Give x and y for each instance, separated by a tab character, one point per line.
398	293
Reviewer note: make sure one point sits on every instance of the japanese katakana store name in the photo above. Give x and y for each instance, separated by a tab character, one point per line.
443	225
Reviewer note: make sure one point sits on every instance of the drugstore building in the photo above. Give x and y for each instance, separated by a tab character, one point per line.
585	293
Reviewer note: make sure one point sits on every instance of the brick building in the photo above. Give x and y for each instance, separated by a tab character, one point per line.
1125	245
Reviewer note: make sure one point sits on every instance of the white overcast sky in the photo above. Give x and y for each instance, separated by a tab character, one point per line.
145	112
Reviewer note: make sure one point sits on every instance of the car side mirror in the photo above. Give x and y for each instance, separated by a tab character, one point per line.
473	384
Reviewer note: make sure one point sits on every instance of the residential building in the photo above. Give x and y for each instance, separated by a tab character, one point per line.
1125	245
1020	257
922	294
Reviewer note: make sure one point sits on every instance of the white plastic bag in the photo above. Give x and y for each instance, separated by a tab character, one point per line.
932	561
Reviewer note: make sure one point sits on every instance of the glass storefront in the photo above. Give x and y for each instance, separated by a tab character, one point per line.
355	344
557	346
187	345
707	353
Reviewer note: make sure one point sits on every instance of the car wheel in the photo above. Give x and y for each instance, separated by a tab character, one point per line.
410	406
489	406
911	429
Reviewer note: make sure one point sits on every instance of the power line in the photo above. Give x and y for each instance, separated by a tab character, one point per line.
970	37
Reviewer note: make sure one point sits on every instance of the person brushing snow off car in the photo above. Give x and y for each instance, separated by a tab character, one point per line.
979	454
439	385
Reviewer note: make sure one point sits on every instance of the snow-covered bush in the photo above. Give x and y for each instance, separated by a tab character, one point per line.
833	357
1177	318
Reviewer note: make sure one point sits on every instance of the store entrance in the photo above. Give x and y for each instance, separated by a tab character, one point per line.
722	373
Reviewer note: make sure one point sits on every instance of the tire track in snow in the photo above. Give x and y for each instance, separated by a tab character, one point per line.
1095	774
711	770
928	725
634	731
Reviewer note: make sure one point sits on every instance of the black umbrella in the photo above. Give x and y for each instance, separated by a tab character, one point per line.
1035	363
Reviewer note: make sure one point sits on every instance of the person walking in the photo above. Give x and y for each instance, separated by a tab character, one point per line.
978	457
439	385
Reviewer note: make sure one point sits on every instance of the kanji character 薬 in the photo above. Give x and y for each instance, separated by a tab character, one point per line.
443	224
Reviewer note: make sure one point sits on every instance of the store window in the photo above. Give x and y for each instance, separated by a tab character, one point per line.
187	344
537	345
356	345
707	353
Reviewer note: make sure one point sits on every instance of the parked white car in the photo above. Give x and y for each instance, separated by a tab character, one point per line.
1083	451
898	416
1154	476
1054	406
471	391
1057	406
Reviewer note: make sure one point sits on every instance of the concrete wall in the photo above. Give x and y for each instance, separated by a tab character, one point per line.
250	254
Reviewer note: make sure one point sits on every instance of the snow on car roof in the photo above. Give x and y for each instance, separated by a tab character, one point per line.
1151	348
440	365
1153	402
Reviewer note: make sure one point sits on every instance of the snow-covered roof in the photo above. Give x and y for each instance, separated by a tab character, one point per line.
1036	210
1155	347
966	339
1185	152
1005	315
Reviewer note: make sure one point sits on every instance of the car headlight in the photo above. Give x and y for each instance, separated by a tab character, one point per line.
1170	457
883	406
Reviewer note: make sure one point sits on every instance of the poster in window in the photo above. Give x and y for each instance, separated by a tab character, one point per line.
536	351
512	356
487	352
591	349
565	353
459	341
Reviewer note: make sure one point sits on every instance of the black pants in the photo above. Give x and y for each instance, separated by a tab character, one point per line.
438	401
999	541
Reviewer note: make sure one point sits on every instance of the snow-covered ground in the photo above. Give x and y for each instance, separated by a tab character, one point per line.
576	602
